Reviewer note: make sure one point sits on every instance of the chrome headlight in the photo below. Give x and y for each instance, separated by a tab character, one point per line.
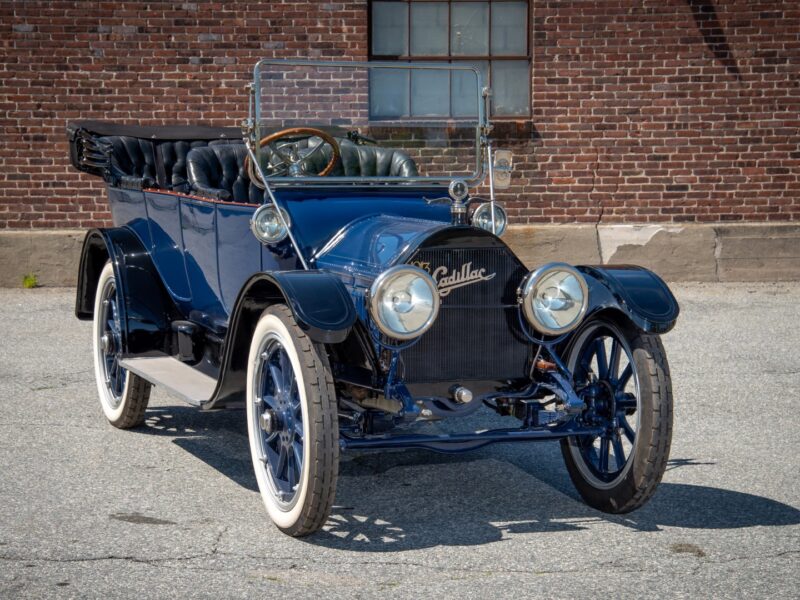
267	226
482	217
458	189
404	302
554	298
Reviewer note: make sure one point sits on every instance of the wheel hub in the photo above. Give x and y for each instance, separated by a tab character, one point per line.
268	421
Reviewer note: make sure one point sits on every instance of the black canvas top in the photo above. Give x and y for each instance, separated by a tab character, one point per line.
176	132
155	132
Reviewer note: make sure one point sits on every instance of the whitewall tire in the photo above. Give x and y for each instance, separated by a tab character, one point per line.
292	423
123	395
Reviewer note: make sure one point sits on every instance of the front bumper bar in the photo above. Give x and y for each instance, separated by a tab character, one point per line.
462	442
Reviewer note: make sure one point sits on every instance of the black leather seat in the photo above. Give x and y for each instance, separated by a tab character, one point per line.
132	161
217	171
137	163
360	160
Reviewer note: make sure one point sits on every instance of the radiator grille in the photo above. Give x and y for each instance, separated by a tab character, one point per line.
477	334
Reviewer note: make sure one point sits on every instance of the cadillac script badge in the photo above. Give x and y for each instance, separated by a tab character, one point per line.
447	282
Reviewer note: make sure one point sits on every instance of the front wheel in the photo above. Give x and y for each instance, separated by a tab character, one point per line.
292	423
624	376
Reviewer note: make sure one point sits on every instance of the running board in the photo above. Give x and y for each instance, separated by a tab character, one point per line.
176	378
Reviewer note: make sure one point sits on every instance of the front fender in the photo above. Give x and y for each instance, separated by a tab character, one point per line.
638	293
319	302
145	314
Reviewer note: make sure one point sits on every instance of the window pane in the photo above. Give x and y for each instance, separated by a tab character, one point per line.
509	28
510	83
389	28
429	29
464	102
469	29
430	95
388	93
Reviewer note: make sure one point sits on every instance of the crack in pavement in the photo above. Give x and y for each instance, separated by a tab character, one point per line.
162	562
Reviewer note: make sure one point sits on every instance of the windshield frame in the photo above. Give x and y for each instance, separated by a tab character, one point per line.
253	127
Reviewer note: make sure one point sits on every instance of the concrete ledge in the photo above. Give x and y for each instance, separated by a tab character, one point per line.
51	255
746	252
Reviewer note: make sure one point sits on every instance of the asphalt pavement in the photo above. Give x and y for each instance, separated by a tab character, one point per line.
171	509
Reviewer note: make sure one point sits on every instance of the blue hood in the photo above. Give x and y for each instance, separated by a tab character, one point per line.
319	214
367	246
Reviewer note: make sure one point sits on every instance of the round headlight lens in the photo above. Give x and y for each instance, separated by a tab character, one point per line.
554	298
267	226
404	302
482	217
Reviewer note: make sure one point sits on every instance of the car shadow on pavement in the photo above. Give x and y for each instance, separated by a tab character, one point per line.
394	501
478	507
219	438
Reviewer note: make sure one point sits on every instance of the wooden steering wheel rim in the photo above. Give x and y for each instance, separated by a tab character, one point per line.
302	131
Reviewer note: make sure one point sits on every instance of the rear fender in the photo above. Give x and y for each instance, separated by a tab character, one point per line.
639	294
145	314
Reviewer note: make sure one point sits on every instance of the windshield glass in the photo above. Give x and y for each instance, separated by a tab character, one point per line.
345	122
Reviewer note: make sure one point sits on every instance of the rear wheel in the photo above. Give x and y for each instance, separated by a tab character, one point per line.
123	395
292	423
624	375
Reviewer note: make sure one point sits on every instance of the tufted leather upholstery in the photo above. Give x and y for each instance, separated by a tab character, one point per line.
217	171
173	157
140	163
132	161
360	160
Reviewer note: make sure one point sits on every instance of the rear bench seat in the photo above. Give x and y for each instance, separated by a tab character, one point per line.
137	163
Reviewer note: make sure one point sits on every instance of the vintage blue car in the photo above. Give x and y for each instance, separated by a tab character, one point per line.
330	267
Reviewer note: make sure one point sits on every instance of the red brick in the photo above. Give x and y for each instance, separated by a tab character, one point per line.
635	116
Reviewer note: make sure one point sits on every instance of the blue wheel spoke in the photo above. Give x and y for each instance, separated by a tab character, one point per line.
280	465
603	457
288	373
291	469
602	360
626	428
277	378
297	449
619	453
625	377
269	400
613	361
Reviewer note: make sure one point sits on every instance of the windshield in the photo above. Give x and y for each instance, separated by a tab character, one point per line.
348	122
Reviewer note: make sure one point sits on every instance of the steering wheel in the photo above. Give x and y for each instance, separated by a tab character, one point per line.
290	162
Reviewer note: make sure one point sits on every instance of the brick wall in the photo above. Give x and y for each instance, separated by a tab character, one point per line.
644	111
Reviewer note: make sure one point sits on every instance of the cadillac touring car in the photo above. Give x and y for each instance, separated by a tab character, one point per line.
336	266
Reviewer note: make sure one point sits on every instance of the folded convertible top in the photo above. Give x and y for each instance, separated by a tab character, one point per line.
154	132
92	147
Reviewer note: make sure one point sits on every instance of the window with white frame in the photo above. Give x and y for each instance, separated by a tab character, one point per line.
493	35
